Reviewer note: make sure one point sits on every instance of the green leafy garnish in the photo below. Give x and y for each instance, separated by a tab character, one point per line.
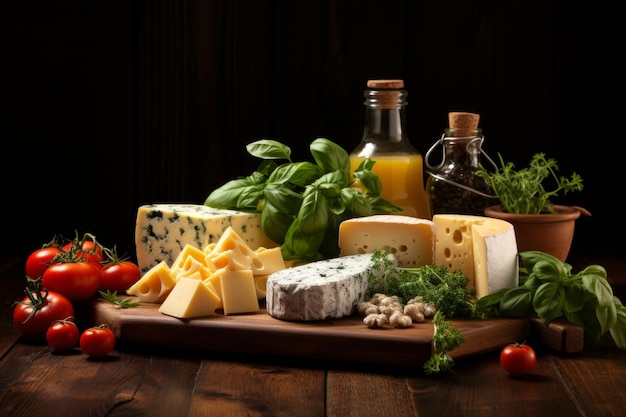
114	299
445	338
303	203
549	290
448	291
523	191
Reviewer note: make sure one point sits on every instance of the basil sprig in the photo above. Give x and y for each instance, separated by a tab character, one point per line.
303	203
548	289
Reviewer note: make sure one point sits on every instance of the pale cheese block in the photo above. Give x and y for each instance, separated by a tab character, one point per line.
238	291
187	262
484	249
328	289
154	285
163	230
411	240
190	298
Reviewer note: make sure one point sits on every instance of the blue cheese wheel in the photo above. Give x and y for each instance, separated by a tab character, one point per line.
163	230
328	289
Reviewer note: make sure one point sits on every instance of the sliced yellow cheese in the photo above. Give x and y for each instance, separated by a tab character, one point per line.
260	285
154	285
190	298
244	255
411	240
184	260
214	281
483	248
238	291
230	259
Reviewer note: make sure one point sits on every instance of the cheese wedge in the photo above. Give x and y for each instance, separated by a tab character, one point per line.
154	285
190	298
483	248
263	262
238	292
411	240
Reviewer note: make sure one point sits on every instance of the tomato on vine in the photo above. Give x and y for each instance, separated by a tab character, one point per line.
34	314
62	335
77	280
86	248
39	260
117	274
97	341
518	359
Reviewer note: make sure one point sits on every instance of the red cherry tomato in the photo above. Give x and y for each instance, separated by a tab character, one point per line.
518	359
62	335
38	261
119	276
87	250
34	314
77	281
97	342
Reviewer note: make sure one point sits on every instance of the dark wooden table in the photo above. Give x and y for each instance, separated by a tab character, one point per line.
140	382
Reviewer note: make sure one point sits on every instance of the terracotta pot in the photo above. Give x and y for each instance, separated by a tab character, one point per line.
550	233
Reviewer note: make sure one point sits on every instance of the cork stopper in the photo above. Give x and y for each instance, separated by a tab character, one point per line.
385	94
385	84
462	123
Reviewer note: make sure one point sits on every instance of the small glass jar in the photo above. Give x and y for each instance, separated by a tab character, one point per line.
453	186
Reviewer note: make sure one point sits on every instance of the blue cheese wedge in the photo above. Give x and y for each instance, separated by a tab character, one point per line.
328	289
163	230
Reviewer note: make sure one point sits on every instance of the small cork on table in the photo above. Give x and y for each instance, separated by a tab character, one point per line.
463	123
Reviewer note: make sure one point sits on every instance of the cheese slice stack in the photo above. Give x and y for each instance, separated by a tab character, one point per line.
410	240
483	248
163	230
226	274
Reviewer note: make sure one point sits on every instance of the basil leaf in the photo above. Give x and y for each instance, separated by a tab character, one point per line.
574	298
275	223
607	317
356	203
517	302
227	195
269	149
282	199
618	332
249	197
313	214
380	205
370	181
330	156
600	287
548	301
297	173
299	245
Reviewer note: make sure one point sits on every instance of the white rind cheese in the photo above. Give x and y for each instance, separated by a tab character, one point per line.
483	248
410	240
328	289
163	230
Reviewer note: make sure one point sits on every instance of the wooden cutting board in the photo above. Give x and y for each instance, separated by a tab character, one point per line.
343	340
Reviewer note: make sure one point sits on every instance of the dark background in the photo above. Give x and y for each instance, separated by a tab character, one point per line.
115	104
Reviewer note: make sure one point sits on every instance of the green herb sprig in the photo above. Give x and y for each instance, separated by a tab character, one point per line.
549	290
448	291
446	338
303	203
523	191
113	298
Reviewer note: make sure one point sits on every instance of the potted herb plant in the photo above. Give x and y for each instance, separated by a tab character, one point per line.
526	202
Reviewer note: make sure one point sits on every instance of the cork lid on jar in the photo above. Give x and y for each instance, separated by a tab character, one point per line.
463	123
385	84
